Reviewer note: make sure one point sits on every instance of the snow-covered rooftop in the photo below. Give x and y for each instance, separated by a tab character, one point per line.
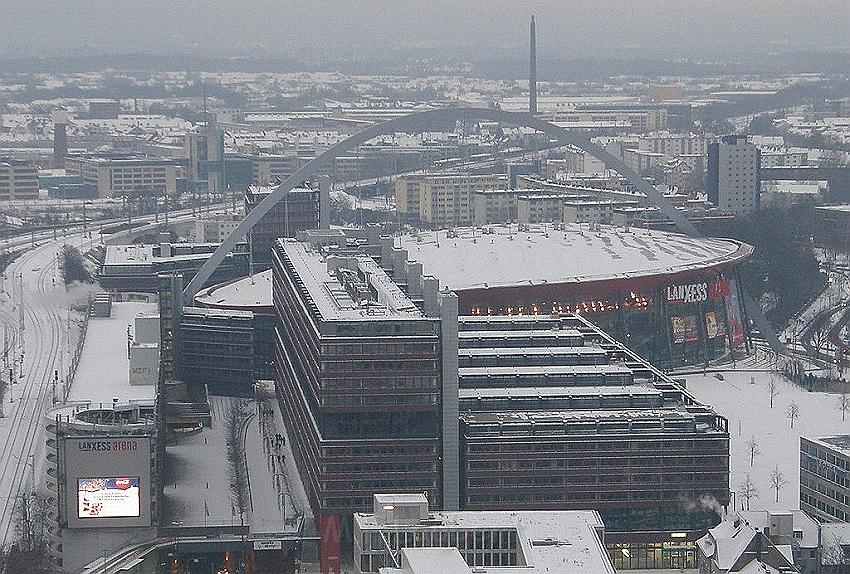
836	442
333	301
660	418
550	541
556	391
103	373
247	292
469	258
143	254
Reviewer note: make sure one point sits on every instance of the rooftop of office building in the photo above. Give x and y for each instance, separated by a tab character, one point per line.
840	443
100	381
547	541
147	253
348	288
245	293
590	379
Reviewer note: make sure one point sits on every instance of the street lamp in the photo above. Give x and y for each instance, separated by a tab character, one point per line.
31	462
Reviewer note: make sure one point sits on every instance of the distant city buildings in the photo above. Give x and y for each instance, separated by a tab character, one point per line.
268	169
215	228
673	144
630	119
734	174
442	199
104	109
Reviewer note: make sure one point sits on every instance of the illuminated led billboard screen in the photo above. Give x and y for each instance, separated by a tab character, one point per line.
108	497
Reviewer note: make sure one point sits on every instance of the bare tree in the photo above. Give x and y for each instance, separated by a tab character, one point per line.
235	420
843	405
819	338
777	480
753	447
793	412
772	389
30	551
747	490
3	385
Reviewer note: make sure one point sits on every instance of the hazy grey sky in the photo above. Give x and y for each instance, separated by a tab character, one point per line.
655	28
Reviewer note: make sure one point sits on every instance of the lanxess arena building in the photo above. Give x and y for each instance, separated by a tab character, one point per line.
673	298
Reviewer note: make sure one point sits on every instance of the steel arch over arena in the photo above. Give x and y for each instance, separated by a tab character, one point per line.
430	120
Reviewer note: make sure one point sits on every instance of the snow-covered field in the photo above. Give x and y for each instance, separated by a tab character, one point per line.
747	406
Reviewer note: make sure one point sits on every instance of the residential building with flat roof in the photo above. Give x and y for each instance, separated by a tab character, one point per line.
734	174
443	199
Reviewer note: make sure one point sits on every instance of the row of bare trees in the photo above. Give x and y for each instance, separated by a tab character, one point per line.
749	491
235	420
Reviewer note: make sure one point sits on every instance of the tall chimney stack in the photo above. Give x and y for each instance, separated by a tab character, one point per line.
60	137
532	71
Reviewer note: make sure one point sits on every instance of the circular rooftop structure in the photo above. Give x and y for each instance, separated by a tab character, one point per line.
252	293
607	258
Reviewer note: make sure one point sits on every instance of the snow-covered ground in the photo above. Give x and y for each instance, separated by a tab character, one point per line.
747	406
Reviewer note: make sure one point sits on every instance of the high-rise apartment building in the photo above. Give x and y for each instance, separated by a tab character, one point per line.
18	179
734	178
673	144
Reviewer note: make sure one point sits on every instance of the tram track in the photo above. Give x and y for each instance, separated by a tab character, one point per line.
32	391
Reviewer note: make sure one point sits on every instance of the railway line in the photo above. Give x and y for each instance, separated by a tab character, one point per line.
29	282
